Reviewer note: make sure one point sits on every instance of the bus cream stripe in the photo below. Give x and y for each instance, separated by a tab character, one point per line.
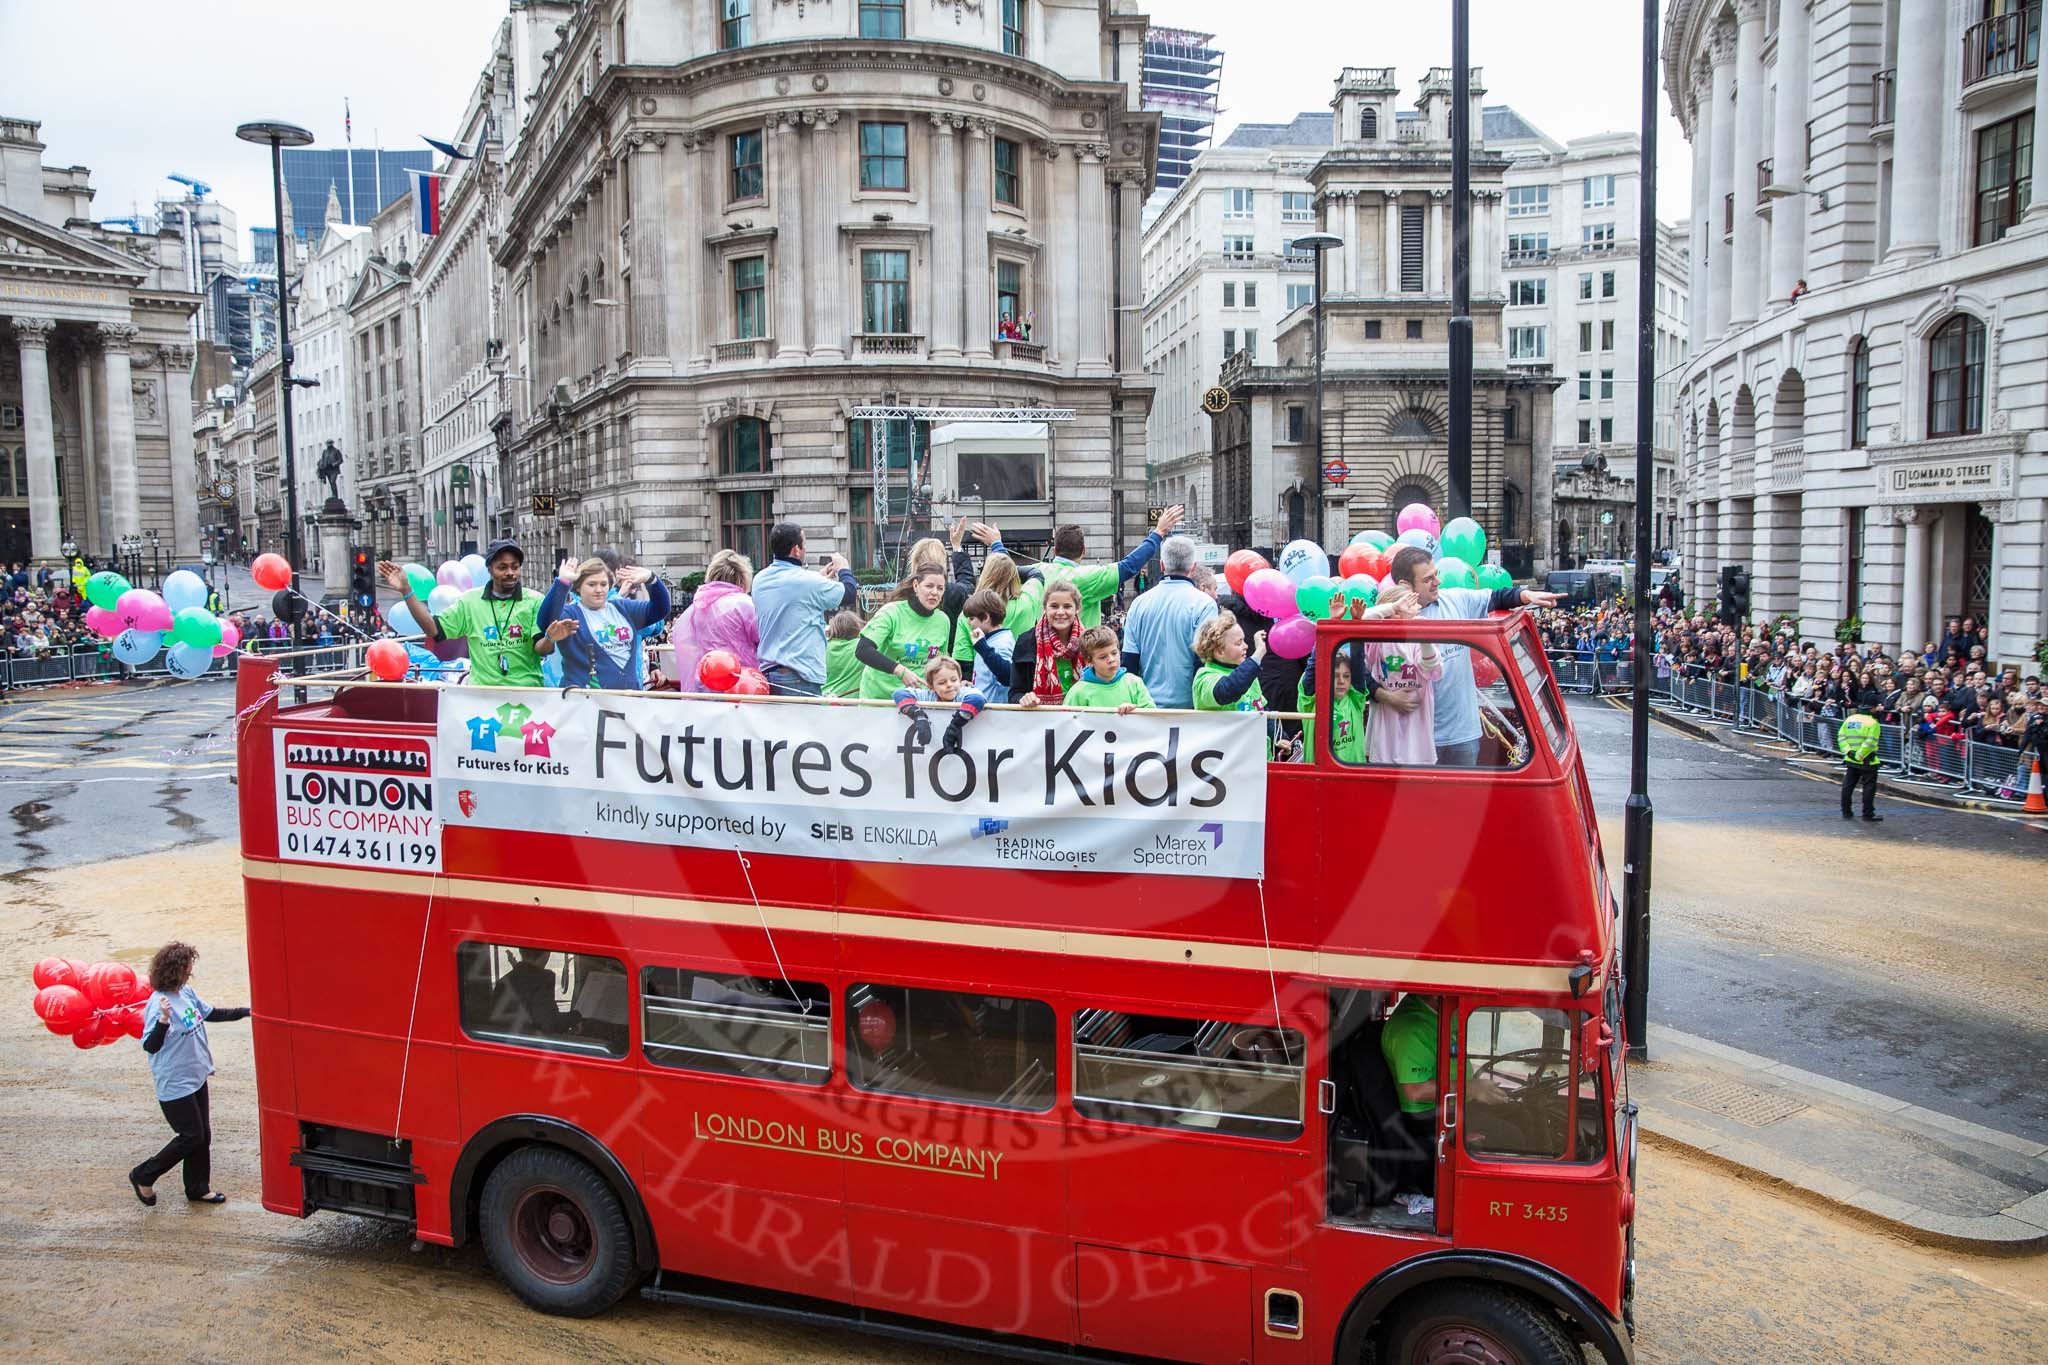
864	924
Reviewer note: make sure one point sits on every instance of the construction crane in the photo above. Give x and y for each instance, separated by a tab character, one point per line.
132	224
200	189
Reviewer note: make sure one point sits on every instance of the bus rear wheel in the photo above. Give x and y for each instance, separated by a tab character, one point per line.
1471	1324
556	1233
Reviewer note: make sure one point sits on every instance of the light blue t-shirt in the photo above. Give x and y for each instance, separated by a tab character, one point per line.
1003	644
1160	629
184	1062
790	603
1457	692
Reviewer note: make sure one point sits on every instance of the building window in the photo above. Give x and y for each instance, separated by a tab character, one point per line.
960	1046
1596	236
1606	430
1526	343
1955	378
1009	159
1300	296
1727	216
1297	423
744	154
1238	203
1585	336
743	446
1528	293
1013	27
1411	248
1296	207
1369	123
1010	292
1237	248
1859	394
1415	329
1607	284
1528	246
1372	329
2005	176
1599	192
1528	201
1251	341
1251	293
1230	293
1607	384
1510	426
750	298
1853	606
736	23
885	291
1607	334
1585	386
1229	341
881	18
1585	431
885	156
743	522
1585	286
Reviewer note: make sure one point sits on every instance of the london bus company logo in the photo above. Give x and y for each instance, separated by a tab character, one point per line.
356	800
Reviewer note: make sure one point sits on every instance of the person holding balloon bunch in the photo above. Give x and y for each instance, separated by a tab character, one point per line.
180	1060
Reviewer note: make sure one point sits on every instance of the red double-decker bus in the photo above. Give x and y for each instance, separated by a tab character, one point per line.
1368	1104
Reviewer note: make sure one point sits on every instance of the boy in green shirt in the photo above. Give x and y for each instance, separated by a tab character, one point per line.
506	643
1346	710
1100	582
1107	682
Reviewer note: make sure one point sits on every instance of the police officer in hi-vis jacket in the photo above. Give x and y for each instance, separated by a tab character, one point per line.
1857	739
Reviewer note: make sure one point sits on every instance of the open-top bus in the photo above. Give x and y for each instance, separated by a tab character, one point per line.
1055	1104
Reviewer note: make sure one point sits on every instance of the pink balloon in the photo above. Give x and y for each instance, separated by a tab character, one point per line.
1292	638
1270	593
230	636
103	623
1416	516
141	609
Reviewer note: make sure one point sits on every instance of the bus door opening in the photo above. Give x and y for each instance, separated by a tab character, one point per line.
1382	1109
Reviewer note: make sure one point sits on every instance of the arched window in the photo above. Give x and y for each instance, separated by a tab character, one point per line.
1369	123
1859	394
1955	378
743	446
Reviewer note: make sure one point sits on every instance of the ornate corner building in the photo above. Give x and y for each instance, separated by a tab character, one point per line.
728	225
1864	414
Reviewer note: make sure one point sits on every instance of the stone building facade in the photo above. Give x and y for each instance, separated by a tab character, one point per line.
1864	417
95	370
722	235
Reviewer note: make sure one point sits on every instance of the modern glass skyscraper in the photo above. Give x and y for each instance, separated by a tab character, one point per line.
376	175
1182	70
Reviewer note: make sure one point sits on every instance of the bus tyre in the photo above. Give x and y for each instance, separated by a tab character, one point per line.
1471	1324
556	1233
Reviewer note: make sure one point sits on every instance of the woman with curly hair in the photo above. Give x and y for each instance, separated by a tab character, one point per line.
174	1035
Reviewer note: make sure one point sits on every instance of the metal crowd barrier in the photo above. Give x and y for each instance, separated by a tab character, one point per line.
81	664
1585	672
1954	762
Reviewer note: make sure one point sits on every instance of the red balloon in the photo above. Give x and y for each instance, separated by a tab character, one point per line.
751	683
89	1031
1364	559
1485	671
388	660
62	1005
140	993
107	984
55	971
131	1020
272	571
1241	565
876	1023
719	670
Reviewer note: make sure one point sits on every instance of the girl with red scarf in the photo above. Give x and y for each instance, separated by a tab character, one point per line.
1048	657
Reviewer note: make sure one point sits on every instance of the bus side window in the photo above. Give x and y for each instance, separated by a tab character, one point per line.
1206	1075
540	998
1530	1093
760	1027
950	1045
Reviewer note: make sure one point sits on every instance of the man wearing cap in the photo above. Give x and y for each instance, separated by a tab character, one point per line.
498	620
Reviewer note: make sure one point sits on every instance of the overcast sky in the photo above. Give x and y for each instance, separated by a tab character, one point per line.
138	89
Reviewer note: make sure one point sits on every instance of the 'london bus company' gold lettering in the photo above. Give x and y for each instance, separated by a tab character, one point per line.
947	1158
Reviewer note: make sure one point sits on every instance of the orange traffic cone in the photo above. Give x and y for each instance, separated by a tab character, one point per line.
2036	803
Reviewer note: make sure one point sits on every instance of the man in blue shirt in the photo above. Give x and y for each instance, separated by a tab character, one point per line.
1457	692
1159	629
790	605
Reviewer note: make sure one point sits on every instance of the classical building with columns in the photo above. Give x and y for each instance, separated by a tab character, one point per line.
95	370
728	227
1383	188
1864	416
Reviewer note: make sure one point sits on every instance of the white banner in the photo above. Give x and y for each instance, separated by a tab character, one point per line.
1038	790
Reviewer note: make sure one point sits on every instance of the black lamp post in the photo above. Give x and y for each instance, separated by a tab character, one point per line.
1318	242
277	136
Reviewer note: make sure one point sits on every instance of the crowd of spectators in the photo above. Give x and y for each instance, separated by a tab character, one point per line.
42	616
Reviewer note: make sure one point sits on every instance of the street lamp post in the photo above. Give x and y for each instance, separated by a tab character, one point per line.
1318	242
1460	492
277	136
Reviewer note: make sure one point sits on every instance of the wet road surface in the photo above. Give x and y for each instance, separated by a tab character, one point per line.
1908	957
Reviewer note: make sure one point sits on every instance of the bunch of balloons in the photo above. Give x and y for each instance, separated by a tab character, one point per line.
1458	547
141	622
93	1005
440	589
721	671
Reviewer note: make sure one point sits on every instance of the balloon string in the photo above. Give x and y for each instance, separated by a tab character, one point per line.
211	740
803	1002
418	974
1272	980
343	621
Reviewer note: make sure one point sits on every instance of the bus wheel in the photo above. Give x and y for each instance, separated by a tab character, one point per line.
1470	1324
556	1233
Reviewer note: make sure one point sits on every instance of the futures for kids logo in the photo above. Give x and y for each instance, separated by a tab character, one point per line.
511	739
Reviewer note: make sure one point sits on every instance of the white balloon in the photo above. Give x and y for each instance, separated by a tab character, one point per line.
444	596
184	589
478	570
399	618
1302	560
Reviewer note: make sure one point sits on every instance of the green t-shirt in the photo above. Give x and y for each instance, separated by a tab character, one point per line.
1206	679
1021	618
842	668
1347	740
1408	1042
906	638
1126	686
1096	586
501	637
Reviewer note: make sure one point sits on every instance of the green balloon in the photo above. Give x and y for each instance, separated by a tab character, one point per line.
195	626
1456	573
1358	588
1379	540
421	580
104	589
1314	598
1465	539
1493	577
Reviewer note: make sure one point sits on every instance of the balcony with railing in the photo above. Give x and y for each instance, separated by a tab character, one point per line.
1020	351
752	348
2004	46
1882	96
1763	175
889	345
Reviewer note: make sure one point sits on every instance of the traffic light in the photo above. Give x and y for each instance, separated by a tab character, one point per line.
362	579
1733	608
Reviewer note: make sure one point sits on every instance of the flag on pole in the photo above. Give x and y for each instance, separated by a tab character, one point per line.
427	195
348	122
451	150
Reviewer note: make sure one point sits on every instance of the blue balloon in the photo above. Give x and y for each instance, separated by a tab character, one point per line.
184	589
188	661
399	618
134	647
